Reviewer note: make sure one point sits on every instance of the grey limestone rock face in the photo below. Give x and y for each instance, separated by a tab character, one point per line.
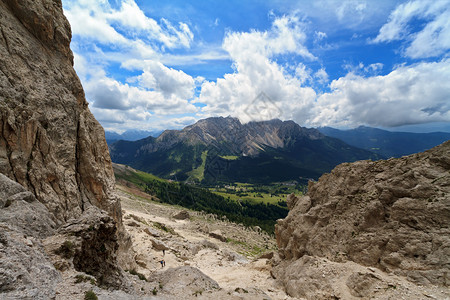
25	270
55	166
393	215
50	143
19	208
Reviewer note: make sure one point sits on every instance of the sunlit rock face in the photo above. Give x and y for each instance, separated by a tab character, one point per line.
393	215
50	142
54	161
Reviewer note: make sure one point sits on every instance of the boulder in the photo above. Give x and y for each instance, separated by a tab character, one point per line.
217	234
188	280
209	244
151	232
182	215
159	245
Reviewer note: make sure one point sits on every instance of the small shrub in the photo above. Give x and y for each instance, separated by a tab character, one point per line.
61	265
136	273
142	277
66	250
164	228
133	272
90	295
82	278
155	291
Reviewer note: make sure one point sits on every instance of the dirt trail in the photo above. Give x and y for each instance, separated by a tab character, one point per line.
232	257
233	263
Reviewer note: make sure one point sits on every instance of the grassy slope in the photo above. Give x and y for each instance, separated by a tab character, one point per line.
198	173
266	194
229	157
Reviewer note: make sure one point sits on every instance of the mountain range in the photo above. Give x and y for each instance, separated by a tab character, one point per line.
130	135
225	150
387	143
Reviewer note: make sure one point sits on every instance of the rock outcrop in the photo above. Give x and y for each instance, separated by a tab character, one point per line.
50	143
88	244
186	278
25	270
55	168
393	215
182	215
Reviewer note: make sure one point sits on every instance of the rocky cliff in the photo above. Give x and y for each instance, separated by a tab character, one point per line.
50	143
53	153
393	215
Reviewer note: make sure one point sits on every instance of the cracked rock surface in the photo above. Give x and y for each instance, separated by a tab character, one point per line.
393	215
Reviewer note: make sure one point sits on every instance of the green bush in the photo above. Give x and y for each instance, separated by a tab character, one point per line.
90	295
66	250
140	275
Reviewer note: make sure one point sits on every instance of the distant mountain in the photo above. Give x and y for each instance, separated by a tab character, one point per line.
129	135
387	143
223	149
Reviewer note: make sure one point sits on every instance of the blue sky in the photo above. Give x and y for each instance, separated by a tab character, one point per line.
155	65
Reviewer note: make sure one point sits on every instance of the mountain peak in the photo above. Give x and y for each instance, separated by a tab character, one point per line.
260	148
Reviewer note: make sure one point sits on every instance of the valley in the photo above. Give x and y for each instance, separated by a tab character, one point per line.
242	203
236	262
274	193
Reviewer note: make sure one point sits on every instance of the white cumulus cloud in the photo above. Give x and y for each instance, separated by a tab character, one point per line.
256	71
97	20
430	41
408	95
167	80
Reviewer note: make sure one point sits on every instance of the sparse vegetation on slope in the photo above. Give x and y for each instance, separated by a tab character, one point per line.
246	212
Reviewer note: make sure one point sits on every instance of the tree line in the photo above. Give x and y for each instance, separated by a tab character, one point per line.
261	214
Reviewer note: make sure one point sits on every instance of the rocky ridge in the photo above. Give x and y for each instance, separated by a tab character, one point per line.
392	215
221	149
229	132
